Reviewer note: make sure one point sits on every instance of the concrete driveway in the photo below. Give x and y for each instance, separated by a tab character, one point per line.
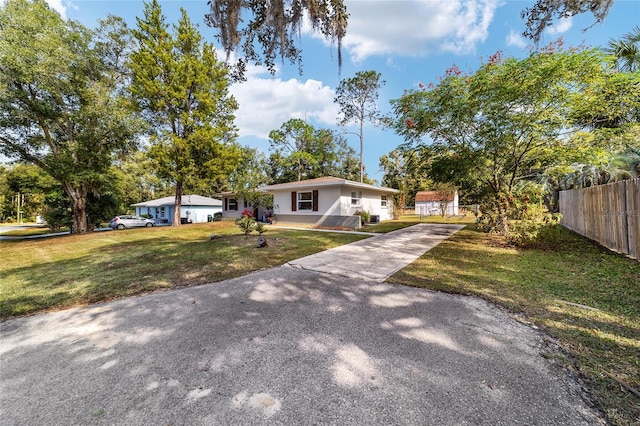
284	346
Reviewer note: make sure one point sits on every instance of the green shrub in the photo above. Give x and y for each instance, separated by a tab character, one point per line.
259	228
506	210
547	233
246	225
365	216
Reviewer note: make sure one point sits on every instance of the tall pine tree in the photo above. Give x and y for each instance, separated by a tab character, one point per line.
181	88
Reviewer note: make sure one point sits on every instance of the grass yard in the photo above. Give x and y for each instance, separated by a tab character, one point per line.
39	230
585	296
62	272
413	219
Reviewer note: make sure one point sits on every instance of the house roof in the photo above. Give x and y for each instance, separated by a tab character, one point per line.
187	200
325	181
427	196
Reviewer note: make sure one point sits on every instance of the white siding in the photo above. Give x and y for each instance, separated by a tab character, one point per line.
282	202
232	213
371	202
335	201
198	214
328	202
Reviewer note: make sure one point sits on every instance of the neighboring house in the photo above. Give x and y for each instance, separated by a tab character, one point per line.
194	209
233	206
330	201
428	203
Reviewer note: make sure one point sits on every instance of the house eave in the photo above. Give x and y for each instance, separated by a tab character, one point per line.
270	189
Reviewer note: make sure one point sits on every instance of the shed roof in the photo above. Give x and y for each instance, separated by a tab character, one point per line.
428	196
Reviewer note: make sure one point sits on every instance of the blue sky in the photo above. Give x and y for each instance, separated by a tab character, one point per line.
408	42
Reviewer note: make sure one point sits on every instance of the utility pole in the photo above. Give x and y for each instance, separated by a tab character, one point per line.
19	204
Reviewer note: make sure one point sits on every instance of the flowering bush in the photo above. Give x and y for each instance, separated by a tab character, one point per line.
247	213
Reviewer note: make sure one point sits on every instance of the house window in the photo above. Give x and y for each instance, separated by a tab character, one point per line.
305	200
383	201
356	198
233	204
162	213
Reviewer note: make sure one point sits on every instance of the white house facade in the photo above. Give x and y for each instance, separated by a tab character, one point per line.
330	201
194	209
233	205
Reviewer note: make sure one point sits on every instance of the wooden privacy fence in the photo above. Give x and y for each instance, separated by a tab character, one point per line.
608	214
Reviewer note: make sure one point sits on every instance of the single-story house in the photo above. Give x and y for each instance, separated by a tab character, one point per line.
330	201
233	205
194	208
428	203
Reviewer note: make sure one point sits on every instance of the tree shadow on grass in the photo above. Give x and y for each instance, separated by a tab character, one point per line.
122	269
531	281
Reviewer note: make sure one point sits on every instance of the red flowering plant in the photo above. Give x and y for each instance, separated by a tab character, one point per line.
246	223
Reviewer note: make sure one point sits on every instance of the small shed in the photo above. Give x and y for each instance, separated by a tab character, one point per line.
430	203
194	208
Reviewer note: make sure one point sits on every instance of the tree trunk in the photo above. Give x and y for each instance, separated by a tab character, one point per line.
177	204
361	146
78	197
503	219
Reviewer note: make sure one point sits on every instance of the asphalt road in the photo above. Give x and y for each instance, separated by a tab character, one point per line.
284	346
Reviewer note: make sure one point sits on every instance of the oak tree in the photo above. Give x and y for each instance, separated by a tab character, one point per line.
59	100
544	12
262	31
300	151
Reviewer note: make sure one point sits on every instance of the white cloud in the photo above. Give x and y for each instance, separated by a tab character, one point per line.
267	102
55	5
561	26
416	27
59	7
515	39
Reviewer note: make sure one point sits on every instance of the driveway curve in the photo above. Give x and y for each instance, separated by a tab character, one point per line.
284	346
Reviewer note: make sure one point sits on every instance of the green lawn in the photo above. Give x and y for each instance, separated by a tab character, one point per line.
580	293
40	230
73	270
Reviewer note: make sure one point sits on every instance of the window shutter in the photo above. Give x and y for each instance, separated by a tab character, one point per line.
294	201
226	204
315	200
